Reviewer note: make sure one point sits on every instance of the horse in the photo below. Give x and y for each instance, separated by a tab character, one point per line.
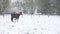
16	16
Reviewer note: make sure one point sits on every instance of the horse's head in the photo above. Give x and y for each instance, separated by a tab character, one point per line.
20	13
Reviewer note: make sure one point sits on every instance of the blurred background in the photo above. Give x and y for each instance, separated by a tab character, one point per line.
46	7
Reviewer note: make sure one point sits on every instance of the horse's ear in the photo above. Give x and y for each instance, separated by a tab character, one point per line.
20	12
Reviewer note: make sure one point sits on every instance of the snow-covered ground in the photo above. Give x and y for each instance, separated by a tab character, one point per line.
31	25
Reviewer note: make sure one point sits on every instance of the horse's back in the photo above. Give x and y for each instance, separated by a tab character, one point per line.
15	15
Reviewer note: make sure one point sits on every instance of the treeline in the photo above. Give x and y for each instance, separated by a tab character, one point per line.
51	7
3	5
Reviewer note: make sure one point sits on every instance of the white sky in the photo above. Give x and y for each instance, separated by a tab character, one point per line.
13	0
16	0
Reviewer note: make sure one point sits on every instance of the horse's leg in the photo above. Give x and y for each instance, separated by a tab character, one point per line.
12	19
22	15
17	20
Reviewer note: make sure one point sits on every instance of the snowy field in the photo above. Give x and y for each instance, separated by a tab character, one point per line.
30	25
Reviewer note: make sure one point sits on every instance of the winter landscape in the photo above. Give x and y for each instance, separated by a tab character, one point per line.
34	16
30	25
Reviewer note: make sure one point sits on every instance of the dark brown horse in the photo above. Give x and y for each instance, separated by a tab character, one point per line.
16	16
